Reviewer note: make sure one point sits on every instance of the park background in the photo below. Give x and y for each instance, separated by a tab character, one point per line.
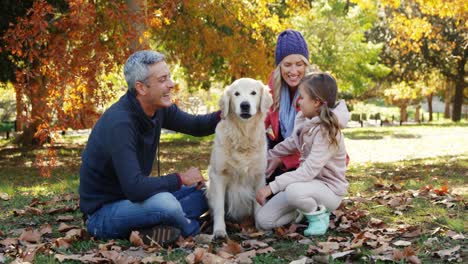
400	65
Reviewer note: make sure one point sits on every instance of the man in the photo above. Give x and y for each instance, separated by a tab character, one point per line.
116	193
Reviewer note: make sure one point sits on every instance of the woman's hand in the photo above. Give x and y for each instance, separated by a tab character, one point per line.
262	194
272	165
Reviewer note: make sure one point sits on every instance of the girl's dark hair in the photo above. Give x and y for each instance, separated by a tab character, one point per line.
322	86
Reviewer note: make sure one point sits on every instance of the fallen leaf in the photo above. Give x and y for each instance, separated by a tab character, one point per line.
63	242
65	218
374	222
402	243
224	254
30	235
9	241
77	232
117	257
341	254
299	261
305	241
46	229
186	243
34	211
442	191
256	234
61	210
4	196
19	212
198	255
253	243
397	255
31	251
328	247
135	239
153	259
415	233
447	252
265	250
246	257
203	239
89	258
64	227
232	247
413	259
454	235
430	241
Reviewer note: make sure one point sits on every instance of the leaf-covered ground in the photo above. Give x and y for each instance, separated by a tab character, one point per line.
407	203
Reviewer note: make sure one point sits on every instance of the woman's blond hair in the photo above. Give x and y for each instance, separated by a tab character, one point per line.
278	80
322	86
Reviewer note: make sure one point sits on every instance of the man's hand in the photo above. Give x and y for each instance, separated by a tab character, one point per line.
191	177
272	165
262	194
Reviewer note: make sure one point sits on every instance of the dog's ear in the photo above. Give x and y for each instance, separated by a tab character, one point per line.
266	100
224	103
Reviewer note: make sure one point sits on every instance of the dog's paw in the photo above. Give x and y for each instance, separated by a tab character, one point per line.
219	235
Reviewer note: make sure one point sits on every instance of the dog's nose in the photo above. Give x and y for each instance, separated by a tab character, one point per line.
245	107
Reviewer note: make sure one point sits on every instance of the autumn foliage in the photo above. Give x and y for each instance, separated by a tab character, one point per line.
61	58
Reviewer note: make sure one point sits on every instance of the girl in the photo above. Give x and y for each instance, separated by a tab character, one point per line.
292	64
318	185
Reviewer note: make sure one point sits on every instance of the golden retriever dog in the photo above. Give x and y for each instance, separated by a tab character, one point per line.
239	156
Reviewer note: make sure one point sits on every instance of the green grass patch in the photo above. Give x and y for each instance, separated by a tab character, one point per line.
21	181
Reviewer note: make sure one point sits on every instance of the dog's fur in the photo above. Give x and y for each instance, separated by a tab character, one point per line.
239	156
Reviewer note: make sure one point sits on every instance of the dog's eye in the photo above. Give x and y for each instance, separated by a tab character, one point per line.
253	93
236	93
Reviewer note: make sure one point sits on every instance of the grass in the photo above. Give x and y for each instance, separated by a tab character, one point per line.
379	155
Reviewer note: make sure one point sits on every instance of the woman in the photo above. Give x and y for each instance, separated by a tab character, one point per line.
292	64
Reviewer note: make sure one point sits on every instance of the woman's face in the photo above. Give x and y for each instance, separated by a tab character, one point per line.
292	69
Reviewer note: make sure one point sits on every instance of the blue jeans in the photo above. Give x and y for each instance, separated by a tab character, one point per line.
180	209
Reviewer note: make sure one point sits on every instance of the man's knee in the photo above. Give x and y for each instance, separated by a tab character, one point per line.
164	201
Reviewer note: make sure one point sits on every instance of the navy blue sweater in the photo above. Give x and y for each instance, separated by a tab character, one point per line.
121	149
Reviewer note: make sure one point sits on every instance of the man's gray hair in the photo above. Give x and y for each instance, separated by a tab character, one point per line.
136	67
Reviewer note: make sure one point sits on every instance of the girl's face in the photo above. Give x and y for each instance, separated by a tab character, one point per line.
309	106
292	69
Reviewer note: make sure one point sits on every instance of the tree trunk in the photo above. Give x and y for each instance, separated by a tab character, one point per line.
40	114
139	8
19	108
403	113
459	87
429	106
448	97
417	113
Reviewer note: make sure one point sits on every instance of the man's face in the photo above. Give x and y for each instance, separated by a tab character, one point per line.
155	91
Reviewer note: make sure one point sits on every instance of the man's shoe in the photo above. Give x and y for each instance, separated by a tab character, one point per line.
163	235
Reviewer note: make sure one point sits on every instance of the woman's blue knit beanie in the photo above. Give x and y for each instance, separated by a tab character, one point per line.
290	42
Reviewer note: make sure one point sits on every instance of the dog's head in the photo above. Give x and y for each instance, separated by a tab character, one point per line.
245	98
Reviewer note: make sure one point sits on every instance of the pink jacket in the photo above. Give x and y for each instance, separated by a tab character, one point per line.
319	159
272	126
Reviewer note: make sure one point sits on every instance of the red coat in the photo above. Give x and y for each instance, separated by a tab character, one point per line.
273	131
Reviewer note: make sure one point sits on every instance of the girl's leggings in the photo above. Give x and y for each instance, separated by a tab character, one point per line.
305	196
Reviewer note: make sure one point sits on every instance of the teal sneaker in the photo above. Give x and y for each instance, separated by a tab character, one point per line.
318	222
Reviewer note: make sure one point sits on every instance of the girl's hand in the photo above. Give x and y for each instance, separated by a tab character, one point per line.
272	165
262	194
